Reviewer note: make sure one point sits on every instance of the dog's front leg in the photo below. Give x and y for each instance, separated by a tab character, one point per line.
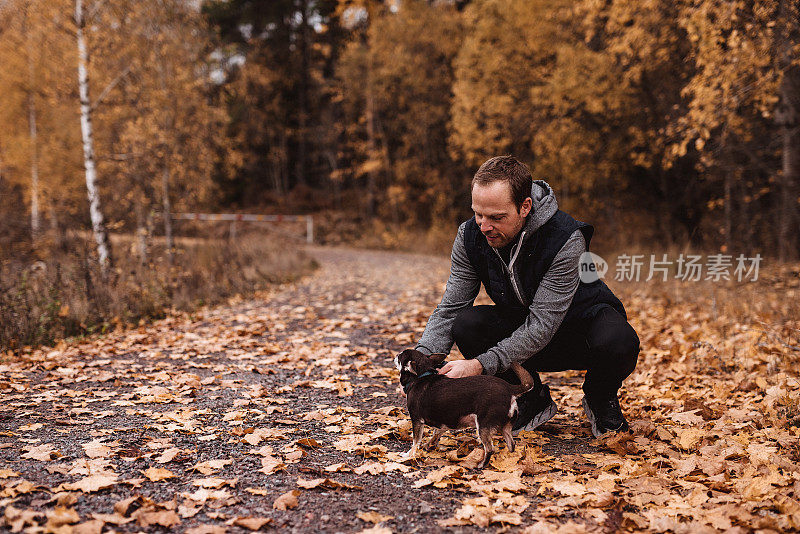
416	431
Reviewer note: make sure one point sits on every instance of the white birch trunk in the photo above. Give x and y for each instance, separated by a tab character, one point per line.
95	211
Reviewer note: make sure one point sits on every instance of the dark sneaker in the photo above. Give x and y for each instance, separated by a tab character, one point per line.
533	409
605	416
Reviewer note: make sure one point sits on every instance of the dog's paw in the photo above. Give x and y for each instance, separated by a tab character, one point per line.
409	455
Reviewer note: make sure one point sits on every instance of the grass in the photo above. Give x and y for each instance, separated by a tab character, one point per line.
57	293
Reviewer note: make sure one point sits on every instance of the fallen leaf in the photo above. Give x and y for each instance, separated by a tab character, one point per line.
214	483
270	464
207	529
17	519
210	466
126	506
164	518
168	455
286	501
252	523
61	516
92	483
114	519
95	526
157	474
96	449
336	468
690	437
325	483
43	452
373	517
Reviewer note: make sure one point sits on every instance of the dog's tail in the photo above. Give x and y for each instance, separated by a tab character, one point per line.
525	378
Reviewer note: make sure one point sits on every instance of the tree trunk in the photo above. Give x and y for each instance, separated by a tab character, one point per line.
141	231
95	210
790	175
34	165
35	218
168	126
787	117
728	188
167	212
302	108
371	147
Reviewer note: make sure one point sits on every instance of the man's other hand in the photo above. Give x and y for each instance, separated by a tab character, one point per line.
461	368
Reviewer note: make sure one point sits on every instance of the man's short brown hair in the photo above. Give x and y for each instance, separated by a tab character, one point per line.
509	169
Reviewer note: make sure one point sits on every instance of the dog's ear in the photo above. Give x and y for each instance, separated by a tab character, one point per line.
437	359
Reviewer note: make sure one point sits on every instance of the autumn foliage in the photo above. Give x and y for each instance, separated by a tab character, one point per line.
287	414
670	122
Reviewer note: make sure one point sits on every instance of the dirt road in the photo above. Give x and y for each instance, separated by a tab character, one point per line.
284	412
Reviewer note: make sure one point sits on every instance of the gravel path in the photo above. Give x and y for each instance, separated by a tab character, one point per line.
284	412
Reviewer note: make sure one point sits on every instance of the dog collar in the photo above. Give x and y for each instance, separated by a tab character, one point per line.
407	385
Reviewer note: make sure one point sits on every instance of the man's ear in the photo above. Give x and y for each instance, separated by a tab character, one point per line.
526	207
437	359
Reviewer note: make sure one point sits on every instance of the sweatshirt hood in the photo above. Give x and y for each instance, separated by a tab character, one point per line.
544	206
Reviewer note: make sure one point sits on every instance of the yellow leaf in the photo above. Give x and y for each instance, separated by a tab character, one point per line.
373	517
690	437
252	523
157	474
42	452
286	501
92	483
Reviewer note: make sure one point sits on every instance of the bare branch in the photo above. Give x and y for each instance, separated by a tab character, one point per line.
111	86
99	4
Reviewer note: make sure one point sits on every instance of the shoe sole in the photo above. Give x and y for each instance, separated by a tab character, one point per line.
589	415
540	419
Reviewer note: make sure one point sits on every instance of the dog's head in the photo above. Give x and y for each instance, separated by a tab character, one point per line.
412	362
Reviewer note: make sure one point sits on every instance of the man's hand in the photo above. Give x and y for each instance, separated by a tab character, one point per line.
461	368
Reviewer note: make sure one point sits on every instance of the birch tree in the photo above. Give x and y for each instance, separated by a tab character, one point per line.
95	208
29	32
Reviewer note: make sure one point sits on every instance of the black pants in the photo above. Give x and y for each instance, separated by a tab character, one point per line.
606	346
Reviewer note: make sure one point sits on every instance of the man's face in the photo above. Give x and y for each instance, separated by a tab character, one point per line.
496	214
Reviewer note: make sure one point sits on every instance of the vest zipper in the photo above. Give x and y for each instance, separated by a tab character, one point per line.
510	267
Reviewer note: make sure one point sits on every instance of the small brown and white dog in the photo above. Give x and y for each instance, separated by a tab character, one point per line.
485	402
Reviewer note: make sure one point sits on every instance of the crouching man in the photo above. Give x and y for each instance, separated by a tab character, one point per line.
527	253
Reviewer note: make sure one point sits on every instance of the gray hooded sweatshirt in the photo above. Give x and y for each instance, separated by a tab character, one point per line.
547	310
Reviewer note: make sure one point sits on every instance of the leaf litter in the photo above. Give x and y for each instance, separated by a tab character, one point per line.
285	412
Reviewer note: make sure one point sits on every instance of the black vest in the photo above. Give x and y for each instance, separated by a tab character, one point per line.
533	261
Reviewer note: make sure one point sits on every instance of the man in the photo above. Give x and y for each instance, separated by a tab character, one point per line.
526	253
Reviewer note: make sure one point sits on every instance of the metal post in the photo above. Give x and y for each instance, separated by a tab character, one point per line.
309	229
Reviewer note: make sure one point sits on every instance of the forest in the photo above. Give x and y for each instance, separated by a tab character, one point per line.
162	371
671	126
672	122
